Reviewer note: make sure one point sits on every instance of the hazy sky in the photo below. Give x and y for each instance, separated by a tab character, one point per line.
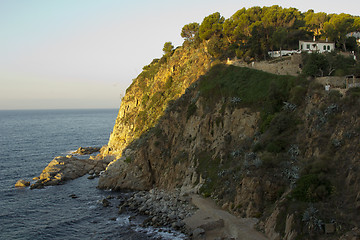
85	53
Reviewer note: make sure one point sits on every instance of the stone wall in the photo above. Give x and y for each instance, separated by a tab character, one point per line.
282	66
335	82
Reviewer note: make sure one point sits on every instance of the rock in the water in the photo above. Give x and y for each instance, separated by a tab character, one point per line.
73	196
105	202
61	169
22	183
121	209
86	150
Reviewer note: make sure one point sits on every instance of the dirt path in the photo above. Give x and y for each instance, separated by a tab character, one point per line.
218	223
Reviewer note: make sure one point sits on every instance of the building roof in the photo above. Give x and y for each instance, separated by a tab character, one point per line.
317	41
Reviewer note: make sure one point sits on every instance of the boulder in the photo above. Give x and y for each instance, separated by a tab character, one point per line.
73	196
198	233
86	150
105	202
22	183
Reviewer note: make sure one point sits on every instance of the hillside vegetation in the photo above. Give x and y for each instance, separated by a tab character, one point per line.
251	33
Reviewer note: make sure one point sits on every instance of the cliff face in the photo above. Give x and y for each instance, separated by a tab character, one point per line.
204	142
263	146
161	82
168	155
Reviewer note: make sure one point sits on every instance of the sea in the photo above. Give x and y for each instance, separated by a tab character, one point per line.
29	140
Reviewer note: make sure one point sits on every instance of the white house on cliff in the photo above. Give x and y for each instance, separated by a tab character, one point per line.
319	46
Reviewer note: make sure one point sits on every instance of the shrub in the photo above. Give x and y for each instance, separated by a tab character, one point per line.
282	122
315	64
297	95
128	160
353	92
191	110
334	95
269	160
209	169
352	97
276	146
265	121
311	188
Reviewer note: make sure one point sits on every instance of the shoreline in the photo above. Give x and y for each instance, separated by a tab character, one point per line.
191	215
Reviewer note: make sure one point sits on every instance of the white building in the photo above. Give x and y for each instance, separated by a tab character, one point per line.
316	46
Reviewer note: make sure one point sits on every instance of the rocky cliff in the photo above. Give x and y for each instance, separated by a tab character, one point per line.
278	148
161	82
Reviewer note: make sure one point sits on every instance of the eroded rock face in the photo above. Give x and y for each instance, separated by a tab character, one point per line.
165	157
61	169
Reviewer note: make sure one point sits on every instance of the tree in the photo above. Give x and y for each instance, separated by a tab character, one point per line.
215	46
190	31
236	28
278	38
257	44
210	26
338	27
315	21
357	24
168	47
315	64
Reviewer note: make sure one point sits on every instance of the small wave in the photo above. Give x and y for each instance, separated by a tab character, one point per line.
70	152
162	233
123	220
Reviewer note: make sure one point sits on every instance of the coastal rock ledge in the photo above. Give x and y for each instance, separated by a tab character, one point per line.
62	169
86	150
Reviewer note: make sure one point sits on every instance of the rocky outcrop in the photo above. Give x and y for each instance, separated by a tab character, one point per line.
86	150
22	183
160	83
62	169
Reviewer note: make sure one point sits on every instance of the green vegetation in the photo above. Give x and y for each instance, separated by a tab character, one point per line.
312	188
191	110
128	160
253	87
209	169
353	93
251	33
190	32
319	65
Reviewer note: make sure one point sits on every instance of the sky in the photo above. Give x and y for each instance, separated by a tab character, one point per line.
74	54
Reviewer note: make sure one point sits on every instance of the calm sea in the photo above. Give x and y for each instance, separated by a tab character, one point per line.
29	140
